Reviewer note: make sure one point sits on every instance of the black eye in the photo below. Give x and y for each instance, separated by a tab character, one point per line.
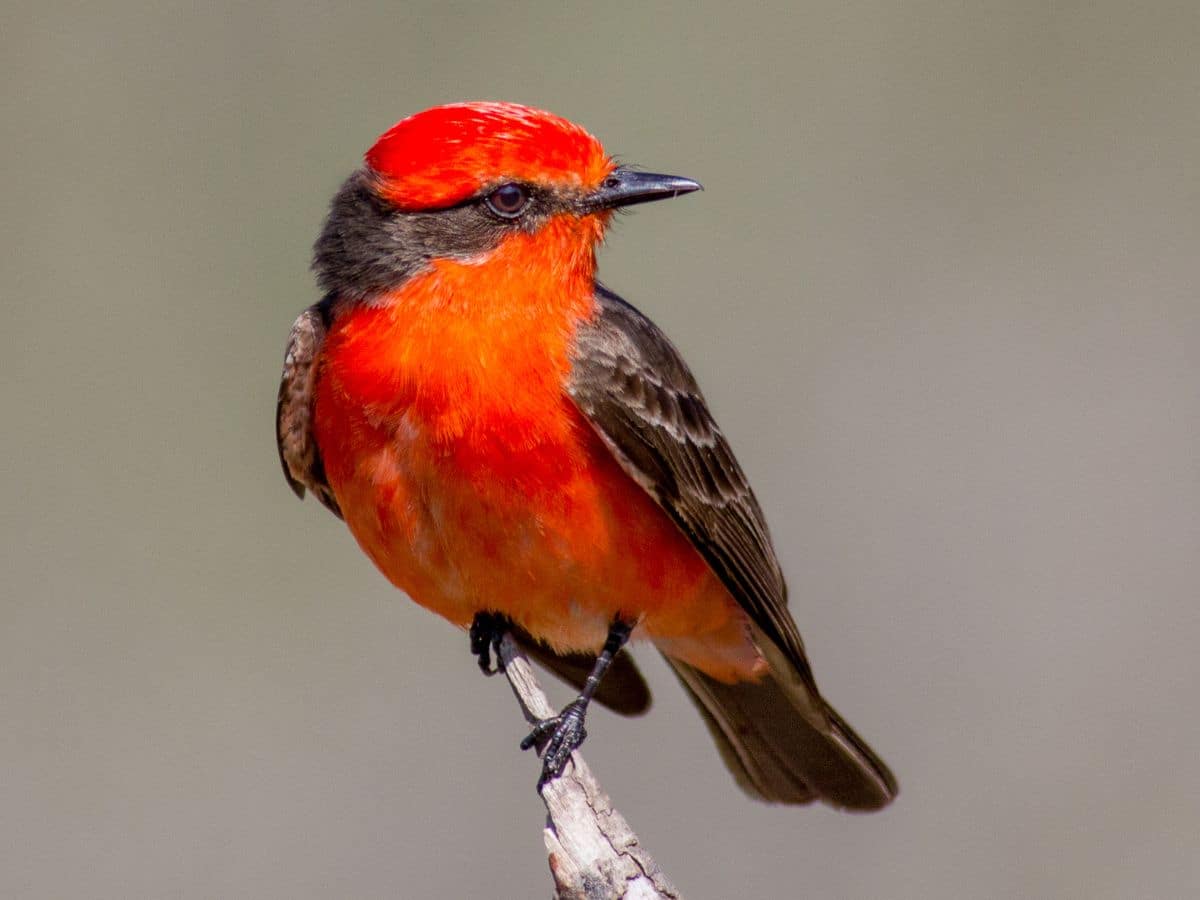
508	200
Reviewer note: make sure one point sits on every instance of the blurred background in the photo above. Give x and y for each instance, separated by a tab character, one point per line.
941	290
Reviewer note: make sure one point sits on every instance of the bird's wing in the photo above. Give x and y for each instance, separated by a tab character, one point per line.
298	451
637	392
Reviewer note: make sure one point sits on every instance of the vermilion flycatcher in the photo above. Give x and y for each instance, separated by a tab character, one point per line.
516	447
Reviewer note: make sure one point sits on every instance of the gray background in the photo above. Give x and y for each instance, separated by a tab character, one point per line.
941	291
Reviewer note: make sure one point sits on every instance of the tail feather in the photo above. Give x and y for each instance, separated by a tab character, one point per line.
785	745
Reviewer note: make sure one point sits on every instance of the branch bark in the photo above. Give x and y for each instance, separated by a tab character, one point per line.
594	854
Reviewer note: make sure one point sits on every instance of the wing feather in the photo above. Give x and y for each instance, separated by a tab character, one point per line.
298	451
639	395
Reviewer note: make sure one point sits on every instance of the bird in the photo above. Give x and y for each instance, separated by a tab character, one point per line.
520	450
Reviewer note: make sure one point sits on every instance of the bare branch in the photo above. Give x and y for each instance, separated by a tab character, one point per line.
594	854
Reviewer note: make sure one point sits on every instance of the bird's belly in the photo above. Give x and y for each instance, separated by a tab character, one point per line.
557	537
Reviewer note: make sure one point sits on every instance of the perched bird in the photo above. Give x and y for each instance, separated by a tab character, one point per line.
517	448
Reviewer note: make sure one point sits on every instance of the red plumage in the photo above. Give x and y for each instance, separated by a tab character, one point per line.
442	156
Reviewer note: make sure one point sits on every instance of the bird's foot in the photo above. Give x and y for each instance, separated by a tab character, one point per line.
486	631
562	735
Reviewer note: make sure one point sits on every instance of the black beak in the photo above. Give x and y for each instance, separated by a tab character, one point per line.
625	187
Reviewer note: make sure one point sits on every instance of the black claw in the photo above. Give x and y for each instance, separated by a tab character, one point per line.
562	734
486	631
559	736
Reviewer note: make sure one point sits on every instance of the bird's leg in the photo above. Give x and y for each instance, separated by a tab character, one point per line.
565	732
486	631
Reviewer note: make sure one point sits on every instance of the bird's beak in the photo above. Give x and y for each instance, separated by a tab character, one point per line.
625	187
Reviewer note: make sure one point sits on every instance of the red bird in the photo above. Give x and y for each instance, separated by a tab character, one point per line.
517	448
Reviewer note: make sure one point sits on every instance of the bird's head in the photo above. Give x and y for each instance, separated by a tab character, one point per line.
465	181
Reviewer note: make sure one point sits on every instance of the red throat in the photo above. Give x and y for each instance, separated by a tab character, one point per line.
468	344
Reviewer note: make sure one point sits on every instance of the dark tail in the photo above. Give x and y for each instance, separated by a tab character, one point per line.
784	744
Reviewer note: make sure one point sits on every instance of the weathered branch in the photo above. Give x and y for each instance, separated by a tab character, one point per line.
594	854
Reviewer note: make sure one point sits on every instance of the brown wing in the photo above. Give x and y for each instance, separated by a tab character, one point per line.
638	393
781	740
298	451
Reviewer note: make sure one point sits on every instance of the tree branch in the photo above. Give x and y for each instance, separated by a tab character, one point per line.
594	854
